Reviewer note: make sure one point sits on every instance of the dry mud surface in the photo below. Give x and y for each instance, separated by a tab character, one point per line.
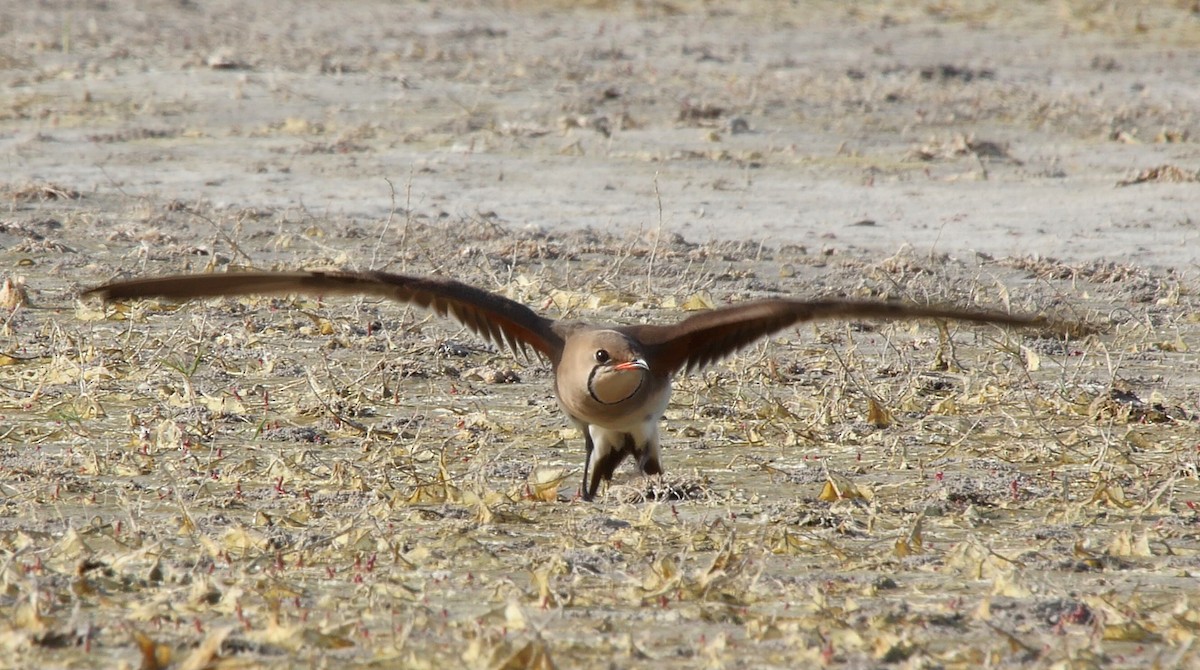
351	483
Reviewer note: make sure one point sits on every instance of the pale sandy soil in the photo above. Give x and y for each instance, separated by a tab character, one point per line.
328	484
474	108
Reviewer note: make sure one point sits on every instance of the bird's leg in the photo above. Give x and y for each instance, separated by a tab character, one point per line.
603	458
648	458
589	447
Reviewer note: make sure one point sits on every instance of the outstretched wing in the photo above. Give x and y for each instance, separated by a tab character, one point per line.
710	336
493	317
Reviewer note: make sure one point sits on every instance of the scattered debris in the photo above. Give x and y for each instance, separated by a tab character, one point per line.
1163	174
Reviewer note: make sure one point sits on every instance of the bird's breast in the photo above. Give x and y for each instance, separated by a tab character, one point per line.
607	387
644	401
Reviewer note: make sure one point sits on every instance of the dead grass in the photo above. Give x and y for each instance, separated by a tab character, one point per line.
352	483
276	482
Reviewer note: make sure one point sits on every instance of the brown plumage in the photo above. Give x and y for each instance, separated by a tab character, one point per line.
612	381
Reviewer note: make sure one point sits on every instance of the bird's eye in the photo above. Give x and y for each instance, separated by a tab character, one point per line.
602	356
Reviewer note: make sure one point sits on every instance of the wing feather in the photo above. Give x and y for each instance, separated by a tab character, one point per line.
493	317
710	336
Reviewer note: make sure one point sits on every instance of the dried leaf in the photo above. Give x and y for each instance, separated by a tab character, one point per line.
223	404
543	483
206	652
698	302
1130	632
154	656
26	616
12	293
565	301
331	640
663	576
1010	584
1033	361
1109	493
891	648
945	407
483	513
839	488
1126	545
1086	557
976	561
514	616
913	542
1176	345
532	656
240	539
877	414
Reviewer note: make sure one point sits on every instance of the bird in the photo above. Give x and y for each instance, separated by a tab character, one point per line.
613	382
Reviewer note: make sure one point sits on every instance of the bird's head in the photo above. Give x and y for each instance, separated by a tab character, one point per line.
612	365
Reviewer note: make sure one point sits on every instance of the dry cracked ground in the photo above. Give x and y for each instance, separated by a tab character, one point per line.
267	482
